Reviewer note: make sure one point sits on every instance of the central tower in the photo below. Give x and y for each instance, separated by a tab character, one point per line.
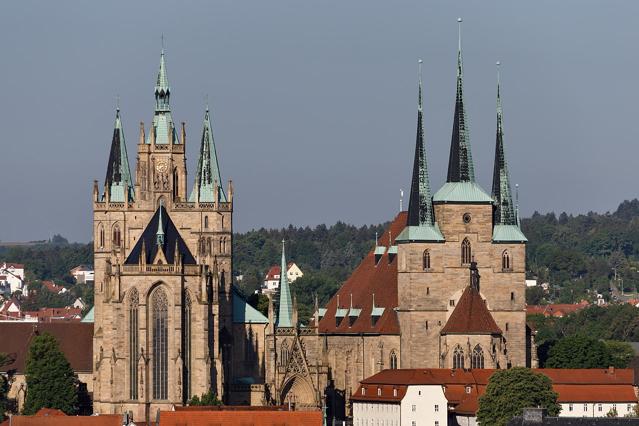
163	297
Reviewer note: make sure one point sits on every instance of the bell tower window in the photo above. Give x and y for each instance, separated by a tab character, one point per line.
505	261
466	253
426	260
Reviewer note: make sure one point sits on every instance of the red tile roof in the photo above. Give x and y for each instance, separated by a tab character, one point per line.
240	418
557	310
52	287
370	277
53	417
55	314
275	271
14	265
471	316
75	340
462	388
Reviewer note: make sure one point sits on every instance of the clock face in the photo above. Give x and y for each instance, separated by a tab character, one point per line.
161	166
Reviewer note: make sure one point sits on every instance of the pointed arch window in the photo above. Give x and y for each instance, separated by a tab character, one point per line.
206	222
186	347
458	357
101	236
117	235
133	343
466	253
426	260
159	318
505	261
393	360
176	186
477	358
284	354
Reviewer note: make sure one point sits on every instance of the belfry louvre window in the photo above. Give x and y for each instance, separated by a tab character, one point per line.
426	260
133	344
477	359
458	357
159	305
466	254
505	261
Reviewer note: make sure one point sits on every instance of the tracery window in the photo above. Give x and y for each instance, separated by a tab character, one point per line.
284	354
426	260
186	349
477	358
159	304
505	261
133	343
466	254
393	360
458	357
117	237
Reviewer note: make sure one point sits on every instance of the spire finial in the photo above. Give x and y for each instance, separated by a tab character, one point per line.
517	204
206	102
420	105
162	41
117	103
459	32
376	243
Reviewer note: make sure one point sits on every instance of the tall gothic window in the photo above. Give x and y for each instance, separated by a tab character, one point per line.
284	354
477	358
117	237
393	360
159	305
176	182
133	344
186	349
458	357
206	222
426	260
505	261
101	236
466	254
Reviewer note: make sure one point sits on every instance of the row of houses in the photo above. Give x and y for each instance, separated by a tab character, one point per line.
11	310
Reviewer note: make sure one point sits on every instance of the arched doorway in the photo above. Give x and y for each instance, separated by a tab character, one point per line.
299	391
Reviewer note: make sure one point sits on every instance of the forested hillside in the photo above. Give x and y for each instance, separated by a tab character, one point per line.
577	255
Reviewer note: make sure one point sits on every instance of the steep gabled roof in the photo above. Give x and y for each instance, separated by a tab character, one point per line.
471	316
149	241
243	313
371	277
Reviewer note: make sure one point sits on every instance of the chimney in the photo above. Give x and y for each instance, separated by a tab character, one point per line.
533	416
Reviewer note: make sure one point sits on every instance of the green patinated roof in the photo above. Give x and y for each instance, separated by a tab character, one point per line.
461	192
243	313
430	233
380	250
321	312
508	233
354	312
89	317
285	313
377	311
341	312
392	250
162	120
208	169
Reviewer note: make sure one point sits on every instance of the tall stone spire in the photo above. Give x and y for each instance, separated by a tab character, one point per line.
285	313
159	235
504	213
208	169
460	163
420	206
163	127
118	176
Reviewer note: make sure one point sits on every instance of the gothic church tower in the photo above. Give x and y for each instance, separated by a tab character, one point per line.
162	270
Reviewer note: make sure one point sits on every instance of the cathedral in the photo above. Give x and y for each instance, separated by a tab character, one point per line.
444	287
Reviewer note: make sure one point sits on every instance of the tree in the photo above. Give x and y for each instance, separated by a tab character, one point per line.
621	353
578	352
510	391
207	399
4	386
534	295
51	383
612	413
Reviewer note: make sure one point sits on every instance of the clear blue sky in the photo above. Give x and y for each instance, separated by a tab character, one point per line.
314	102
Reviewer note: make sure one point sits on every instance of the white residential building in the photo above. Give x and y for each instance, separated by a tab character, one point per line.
83	274
13	275
439	397
272	279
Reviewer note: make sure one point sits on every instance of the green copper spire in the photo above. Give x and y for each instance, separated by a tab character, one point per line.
285	314
421	224
460	163
118	175
208	169
159	235
163	127
420	206
504	213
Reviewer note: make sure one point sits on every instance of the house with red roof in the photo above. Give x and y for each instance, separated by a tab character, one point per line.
557	310
273	276
53	287
451	396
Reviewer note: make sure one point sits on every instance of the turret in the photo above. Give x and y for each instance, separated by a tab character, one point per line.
118	176
285	312
208	180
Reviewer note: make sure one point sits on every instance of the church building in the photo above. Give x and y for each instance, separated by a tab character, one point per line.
168	323
443	288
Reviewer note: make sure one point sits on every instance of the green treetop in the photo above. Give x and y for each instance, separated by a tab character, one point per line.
510	391
51	383
579	352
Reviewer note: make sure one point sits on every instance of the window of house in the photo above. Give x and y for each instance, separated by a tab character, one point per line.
394	392
427	290
436	422
451	302
505	261
426	260
585	407
569	407
506	326
426	325
512	296
436	408
379	391
466	254
414	408
363	391
599	407
413	423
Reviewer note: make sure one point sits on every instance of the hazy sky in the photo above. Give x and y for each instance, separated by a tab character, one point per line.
314	102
